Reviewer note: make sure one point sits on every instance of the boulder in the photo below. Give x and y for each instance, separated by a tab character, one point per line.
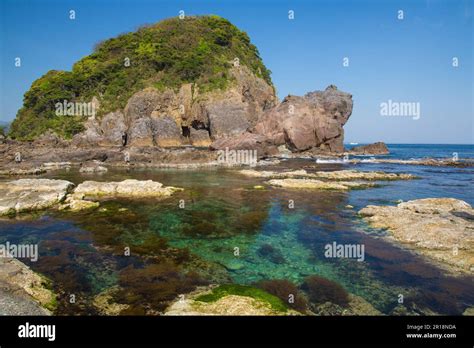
92	168
48	138
141	105
32	194
129	188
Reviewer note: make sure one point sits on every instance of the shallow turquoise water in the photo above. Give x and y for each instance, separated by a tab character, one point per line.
228	231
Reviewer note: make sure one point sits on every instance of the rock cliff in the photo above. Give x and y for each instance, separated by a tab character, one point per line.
195	81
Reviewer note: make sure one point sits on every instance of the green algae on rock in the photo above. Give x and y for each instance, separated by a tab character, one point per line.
30	291
243	290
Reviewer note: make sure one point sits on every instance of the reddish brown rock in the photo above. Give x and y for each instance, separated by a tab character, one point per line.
312	121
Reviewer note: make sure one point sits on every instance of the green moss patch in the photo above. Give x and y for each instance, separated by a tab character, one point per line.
243	290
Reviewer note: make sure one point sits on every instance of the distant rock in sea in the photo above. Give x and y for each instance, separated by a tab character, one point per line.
378	148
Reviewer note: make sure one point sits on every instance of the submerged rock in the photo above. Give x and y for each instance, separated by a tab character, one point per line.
32	194
23	171
440	228
74	204
356	306
273	174
129	188
105	304
93	168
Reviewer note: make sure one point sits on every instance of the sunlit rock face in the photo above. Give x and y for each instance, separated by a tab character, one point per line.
315	120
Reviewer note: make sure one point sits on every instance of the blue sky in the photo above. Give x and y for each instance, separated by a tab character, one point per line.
407	60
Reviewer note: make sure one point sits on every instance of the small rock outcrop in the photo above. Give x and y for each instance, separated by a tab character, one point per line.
313	184
378	148
129	188
329	175
440	228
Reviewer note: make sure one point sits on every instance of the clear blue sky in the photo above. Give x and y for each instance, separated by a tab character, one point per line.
406	60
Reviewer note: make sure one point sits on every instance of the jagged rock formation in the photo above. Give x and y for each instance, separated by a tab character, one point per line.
314	121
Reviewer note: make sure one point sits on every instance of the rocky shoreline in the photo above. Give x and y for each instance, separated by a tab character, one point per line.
26	195
442	229
22	291
37	160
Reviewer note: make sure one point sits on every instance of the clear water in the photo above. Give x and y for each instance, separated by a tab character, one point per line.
173	249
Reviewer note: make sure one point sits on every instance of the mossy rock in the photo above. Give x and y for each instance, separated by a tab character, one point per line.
243	290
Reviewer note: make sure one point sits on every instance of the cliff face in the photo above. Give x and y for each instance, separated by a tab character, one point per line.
196	81
188	116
